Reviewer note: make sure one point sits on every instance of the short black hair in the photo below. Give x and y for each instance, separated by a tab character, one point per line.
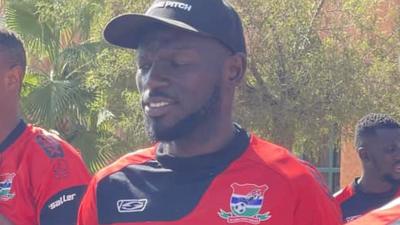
368	125
13	46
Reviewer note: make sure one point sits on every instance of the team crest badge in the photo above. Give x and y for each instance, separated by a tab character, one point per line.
5	186
246	203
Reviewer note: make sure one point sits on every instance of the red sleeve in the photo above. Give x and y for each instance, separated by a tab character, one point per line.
315	205
87	214
59	179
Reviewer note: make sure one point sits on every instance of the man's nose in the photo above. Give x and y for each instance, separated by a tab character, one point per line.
397	150
157	76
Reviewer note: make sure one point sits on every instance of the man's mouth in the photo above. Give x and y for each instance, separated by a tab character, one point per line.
156	107
397	167
157	104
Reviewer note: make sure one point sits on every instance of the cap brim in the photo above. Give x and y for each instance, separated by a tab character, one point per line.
125	30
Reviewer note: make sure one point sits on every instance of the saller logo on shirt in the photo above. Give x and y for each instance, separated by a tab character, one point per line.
131	205
246	203
62	200
172	4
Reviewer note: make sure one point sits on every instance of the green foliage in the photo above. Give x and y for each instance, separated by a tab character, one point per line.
304	81
61	54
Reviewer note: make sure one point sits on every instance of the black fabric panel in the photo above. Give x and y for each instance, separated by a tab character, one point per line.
13	136
163	189
361	202
62	208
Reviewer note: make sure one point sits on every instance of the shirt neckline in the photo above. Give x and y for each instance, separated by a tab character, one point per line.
13	136
222	157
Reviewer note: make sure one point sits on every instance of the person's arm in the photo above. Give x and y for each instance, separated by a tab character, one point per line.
59	180
87	214
315	205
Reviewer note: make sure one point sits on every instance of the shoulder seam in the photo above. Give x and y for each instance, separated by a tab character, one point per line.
120	164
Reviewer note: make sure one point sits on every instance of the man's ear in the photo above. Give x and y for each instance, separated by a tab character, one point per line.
235	67
363	154
13	78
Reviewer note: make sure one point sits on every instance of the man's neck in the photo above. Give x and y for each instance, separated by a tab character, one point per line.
373	185
204	140
7	126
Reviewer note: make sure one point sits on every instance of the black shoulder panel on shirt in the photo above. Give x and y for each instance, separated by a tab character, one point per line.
361	203
13	136
62	208
162	189
147	193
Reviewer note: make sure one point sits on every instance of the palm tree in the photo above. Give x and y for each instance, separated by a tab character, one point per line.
61	53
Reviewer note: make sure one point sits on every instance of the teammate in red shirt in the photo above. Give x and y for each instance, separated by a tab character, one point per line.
386	215
204	168
378	145
42	178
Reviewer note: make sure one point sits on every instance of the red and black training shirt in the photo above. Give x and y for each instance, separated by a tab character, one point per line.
42	178
355	203
249	181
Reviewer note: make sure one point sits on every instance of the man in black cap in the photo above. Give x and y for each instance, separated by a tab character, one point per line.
203	169
377	140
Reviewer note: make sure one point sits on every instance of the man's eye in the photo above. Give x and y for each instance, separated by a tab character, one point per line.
144	67
390	150
177	63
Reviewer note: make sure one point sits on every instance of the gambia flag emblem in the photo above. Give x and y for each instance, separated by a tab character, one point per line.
246	203
6	181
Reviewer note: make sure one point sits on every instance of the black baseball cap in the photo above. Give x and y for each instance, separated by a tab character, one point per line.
213	18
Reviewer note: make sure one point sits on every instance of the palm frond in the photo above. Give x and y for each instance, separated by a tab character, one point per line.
54	99
41	38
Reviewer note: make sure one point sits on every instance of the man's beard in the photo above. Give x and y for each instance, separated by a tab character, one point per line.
185	126
390	179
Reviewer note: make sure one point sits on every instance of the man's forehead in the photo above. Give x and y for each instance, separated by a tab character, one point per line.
388	131
4	51
5	56
387	134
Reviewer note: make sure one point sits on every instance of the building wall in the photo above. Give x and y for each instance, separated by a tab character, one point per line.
350	166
